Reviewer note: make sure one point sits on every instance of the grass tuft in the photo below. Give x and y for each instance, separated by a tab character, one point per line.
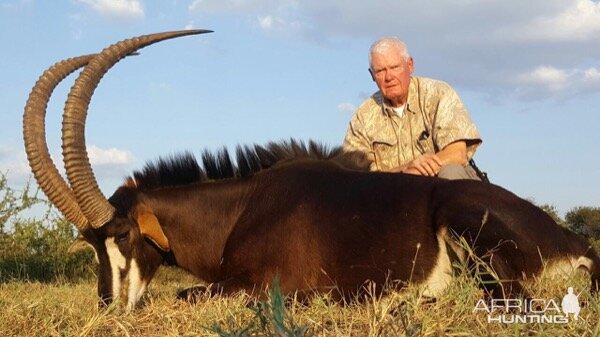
70	309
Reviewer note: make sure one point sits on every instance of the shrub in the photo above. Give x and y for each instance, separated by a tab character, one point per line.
34	248
553	213
585	220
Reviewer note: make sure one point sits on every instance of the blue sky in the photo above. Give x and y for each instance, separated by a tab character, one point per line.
529	72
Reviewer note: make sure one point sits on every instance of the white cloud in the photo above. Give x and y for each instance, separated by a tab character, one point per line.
272	23
474	44
110	156
266	22
589	80
249	7
346	107
579	21
479	20
547	77
189	26
14	164
592	75
110	166
271	15
124	9
547	81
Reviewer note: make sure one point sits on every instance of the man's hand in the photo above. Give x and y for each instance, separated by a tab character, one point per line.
428	164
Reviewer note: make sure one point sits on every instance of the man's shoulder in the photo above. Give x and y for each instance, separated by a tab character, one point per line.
429	84
371	104
426	91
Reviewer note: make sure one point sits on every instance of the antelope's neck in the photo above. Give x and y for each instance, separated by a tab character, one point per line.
198	220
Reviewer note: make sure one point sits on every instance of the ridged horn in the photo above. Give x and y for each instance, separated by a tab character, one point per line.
34	136
94	205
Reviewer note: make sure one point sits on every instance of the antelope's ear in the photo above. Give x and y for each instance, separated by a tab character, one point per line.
79	244
150	227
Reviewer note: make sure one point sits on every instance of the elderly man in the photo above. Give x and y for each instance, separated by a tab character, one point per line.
412	125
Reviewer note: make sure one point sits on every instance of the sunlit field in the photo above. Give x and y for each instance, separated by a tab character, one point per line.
69	309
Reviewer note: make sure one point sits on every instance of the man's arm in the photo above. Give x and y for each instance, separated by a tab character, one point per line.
430	164
453	125
454	153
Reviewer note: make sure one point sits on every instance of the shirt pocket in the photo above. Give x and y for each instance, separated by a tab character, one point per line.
386	154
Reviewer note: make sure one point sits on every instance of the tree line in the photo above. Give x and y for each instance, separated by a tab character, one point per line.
583	220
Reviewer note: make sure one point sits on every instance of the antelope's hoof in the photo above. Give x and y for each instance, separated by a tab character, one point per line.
192	294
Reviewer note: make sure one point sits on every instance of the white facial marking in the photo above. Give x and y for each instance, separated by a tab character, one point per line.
136	285
441	274
117	263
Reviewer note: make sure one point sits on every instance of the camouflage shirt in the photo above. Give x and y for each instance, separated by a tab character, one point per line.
434	116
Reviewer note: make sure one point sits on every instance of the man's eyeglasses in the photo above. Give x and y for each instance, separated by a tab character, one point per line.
381	73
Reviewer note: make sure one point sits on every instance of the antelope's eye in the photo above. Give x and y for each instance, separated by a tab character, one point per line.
122	237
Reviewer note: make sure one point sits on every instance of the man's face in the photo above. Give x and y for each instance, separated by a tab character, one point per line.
392	74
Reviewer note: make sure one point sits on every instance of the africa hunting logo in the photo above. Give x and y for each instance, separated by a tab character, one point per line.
532	310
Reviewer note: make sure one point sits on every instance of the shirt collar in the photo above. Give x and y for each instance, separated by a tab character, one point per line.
412	101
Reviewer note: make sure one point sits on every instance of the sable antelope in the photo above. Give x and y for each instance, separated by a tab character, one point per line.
306	215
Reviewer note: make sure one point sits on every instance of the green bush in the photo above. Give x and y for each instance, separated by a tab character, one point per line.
36	249
585	220
553	213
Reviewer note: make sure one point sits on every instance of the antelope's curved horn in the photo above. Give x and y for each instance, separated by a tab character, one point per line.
34	136
93	204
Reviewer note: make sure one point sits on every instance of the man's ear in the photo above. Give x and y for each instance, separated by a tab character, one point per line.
411	64
150	227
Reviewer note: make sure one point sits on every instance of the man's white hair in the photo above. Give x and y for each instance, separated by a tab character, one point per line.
386	43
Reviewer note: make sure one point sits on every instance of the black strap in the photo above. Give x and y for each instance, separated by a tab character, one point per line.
482	175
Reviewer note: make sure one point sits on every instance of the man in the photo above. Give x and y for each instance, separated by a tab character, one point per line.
412	125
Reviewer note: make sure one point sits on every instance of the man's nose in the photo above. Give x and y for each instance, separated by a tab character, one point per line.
388	75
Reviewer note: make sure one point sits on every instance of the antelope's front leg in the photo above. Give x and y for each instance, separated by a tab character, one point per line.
228	287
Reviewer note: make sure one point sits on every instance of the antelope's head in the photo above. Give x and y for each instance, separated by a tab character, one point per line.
125	234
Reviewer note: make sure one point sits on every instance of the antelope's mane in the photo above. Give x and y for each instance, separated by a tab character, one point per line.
183	168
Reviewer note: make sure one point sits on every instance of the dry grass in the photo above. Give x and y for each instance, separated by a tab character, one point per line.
37	309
